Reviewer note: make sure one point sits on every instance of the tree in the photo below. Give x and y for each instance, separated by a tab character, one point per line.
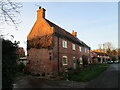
119	54
105	47
108	48
9	11
9	64
108	45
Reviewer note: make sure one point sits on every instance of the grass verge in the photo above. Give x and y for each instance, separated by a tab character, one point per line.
88	73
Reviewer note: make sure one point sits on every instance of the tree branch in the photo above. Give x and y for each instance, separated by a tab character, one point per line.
9	11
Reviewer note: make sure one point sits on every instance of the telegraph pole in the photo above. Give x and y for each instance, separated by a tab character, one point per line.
102	52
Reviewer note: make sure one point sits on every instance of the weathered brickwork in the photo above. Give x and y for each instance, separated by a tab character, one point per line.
38	61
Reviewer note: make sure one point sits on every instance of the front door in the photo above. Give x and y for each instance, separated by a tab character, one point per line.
74	63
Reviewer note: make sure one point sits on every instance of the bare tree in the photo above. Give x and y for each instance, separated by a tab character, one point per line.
108	45
105	47
9	12
99	46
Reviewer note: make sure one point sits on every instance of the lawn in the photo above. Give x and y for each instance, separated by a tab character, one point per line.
88	73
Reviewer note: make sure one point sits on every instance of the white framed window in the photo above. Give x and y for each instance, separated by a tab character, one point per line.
74	59
64	60
88	50
80	48
85	50
73	46
81	62
64	44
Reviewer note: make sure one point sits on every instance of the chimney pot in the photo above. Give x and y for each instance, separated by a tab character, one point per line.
74	33
39	7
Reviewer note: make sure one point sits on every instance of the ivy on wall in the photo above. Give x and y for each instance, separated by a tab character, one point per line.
40	42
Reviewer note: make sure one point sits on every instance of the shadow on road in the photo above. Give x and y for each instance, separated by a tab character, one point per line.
108	79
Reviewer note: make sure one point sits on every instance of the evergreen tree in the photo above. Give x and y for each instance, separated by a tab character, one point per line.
9	65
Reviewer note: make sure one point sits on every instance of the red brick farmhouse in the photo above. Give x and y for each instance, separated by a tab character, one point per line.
52	49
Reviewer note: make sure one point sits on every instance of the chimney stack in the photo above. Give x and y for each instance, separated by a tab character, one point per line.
74	33
39	7
40	13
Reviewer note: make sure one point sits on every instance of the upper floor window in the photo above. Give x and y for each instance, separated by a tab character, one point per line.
88	50
80	48
64	44
73	46
64	60
85	50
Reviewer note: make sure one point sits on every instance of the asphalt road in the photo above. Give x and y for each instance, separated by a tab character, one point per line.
108	79
31	82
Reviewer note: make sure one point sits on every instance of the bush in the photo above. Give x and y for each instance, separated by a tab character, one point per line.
9	64
20	67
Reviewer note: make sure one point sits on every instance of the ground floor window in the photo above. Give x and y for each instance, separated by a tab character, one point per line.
64	60
74	59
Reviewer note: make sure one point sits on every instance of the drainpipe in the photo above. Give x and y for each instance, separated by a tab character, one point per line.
58	57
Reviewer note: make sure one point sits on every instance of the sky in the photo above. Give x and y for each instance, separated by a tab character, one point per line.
94	22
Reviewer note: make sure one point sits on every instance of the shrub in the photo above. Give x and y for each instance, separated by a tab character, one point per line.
9	64
20	67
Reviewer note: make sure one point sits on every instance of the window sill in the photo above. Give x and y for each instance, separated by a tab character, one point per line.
64	47
65	64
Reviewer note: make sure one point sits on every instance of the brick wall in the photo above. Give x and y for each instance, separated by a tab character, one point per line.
69	52
39	61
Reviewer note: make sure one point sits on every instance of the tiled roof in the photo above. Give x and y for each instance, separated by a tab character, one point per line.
63	33
100	53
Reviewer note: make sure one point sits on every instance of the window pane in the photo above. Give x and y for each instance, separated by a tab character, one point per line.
73	46
80	48
74	59
88	50
64	44
64	60
85	50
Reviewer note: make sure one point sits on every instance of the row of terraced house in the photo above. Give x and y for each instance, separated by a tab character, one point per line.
51	49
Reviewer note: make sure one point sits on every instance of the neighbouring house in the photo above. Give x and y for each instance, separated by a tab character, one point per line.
52	50
116	54
99	57
22	60
20	51
21	56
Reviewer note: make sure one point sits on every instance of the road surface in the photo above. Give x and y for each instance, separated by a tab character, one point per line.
108	79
